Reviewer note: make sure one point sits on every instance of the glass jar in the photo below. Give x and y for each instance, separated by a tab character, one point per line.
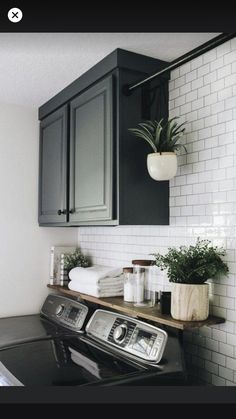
129	285
144	280
139	286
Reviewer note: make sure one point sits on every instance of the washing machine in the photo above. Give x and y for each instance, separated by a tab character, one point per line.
72	344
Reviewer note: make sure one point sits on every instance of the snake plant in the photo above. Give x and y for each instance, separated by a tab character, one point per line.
161	136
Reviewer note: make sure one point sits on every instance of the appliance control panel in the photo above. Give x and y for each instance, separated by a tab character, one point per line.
65	311
131	336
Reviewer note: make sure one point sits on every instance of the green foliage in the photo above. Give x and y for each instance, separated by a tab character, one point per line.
161	136
72	260
193	264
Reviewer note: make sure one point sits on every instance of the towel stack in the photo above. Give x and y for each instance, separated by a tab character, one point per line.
99	281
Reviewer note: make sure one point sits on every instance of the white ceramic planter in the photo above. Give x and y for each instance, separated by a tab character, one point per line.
162	166
190	302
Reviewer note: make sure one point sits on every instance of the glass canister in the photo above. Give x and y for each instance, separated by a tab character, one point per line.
139	286
145	293
129	285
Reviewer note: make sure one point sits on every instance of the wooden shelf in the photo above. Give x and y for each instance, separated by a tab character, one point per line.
149	313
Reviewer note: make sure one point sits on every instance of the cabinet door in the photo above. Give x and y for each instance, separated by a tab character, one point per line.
91	154
53	168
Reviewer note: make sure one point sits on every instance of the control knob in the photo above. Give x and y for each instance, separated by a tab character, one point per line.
59	310
120	333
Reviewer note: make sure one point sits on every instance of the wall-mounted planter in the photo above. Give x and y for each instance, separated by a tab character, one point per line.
162	166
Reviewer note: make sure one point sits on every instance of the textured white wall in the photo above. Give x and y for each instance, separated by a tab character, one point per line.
202	203
24	246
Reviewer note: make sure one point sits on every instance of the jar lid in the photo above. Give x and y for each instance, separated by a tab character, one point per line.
128	269
142	262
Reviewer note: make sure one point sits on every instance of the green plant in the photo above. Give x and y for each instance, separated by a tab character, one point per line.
161	136
193	264
72	260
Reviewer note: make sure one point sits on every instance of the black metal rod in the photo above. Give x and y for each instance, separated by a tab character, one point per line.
213	43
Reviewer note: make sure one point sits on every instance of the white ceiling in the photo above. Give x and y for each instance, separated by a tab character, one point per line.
36	66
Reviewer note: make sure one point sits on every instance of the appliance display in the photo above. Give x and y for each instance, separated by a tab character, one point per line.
144	342
134	337
65	311
74	313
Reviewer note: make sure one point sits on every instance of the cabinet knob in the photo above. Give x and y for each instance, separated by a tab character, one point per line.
72	211
60	212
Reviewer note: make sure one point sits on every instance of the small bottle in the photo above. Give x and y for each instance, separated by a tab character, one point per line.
129	285
165	302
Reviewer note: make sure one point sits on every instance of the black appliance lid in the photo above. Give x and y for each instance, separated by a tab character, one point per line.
20	329
23	328
76	361
61	362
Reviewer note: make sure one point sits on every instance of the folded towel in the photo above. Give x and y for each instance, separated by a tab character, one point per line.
95	290
94	274
112	287
104	282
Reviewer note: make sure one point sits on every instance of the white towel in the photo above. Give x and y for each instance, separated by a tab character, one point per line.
94	274
113	286
103	283
109	280
95	290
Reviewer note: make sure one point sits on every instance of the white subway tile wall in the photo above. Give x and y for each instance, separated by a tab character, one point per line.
202	204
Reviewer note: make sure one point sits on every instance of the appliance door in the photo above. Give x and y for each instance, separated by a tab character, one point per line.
21	329
61	362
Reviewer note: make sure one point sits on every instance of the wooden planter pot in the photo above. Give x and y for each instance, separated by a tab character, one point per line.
190	302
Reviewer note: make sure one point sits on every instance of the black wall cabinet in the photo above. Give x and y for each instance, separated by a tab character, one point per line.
92	171
91	154
53	167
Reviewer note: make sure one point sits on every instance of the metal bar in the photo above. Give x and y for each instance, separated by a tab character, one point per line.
213	43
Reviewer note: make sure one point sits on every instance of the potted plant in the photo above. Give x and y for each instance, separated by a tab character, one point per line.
163	138
189	268
72	260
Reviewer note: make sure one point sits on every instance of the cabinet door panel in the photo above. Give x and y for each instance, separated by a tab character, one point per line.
91	154
53	168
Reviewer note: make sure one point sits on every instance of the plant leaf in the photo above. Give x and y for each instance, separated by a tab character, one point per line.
158	132
141	134
161	136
